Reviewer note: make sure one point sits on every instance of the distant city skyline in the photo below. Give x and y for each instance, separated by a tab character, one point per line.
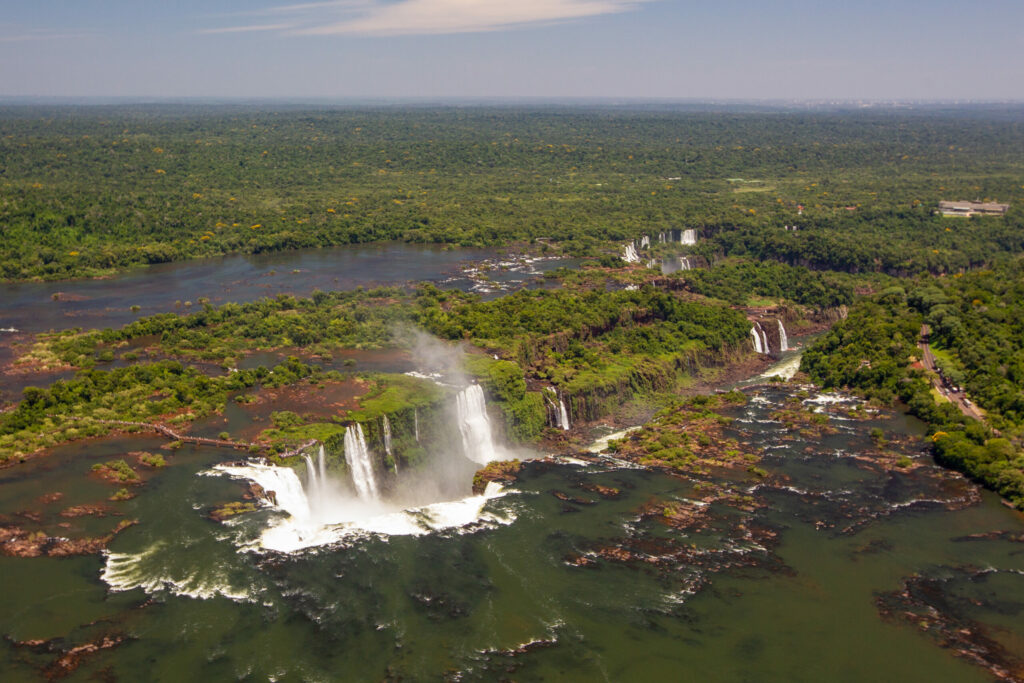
736	50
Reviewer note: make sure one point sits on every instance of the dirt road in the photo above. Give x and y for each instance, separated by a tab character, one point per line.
956	398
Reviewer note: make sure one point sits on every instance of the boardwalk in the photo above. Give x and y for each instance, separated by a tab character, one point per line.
199	440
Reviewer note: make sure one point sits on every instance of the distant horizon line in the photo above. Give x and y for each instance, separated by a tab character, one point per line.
809	102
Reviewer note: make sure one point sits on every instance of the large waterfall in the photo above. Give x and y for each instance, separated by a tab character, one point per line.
783	339
325	510
360	463
689	236
475	426
563	415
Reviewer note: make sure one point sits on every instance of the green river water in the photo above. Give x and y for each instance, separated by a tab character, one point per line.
794	590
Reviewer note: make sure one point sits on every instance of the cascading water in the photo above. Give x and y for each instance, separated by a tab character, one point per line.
760	339
316	474
475	426
563	415
416	423
360	463
689	236
783	339
282	486
684	263
645	242
559	414
629	254
386	428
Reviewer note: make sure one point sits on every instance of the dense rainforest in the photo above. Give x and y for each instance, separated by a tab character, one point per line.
94	190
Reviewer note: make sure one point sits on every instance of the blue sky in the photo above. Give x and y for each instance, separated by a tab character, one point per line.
735	49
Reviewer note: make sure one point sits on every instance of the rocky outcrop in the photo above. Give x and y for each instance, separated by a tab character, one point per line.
17	542
503	472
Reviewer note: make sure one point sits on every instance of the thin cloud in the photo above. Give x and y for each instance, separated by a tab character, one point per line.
428	17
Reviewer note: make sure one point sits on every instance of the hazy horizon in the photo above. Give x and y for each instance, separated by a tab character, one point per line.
737	51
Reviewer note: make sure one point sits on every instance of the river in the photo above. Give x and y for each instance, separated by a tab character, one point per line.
800	601
29	308
812	578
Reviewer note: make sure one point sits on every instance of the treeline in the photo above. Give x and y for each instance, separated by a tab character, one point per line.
977	329
740	281
90	190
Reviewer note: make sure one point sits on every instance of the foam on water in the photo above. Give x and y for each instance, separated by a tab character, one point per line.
145	570
343	516
601	444
786	368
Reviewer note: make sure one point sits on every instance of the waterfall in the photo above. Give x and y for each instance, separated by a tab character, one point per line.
783	339
552	407
386	428
475	426
360	463
645	242
689	236
661	237
629	253
563	415
760	339
416	423
312	477
684	263
282	486
558	411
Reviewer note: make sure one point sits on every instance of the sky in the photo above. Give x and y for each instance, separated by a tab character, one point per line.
555	49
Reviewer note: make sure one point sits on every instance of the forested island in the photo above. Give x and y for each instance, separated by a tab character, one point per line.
718	336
